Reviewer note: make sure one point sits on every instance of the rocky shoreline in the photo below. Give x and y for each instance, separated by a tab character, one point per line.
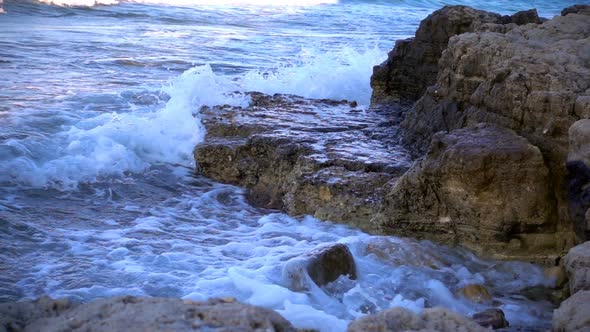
477	136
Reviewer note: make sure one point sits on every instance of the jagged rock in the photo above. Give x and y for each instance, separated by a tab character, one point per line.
533	79
475	293
483	187
318	157
578	177
140	314
493	318
577	265
573	315
399	319
412	65
576	9
322	266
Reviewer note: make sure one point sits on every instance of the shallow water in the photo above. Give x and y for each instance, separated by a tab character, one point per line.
99	116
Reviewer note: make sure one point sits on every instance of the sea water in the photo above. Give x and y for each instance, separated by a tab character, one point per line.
99	115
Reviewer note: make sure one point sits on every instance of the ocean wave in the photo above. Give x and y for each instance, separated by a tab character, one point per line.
110	145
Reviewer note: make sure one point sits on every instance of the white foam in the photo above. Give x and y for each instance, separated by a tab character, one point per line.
339	74
113	144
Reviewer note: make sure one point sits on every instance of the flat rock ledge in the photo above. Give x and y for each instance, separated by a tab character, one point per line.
139	314
325	158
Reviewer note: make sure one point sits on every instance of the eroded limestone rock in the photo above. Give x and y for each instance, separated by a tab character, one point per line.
533	79
484	187
320	157
412	65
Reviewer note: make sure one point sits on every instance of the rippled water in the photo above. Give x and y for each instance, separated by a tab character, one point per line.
99	116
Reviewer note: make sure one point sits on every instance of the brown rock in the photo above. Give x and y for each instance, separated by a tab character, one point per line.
493	318
576	9
304	156
573	315
412	65
323	265
475	293
577	265
146	314
400	319
533	79
483	187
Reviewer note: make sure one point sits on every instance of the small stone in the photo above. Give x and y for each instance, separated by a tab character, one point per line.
493	318
475	293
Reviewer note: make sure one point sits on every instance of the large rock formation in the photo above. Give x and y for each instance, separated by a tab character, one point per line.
533	79
139	314
484	187
412	65
319	157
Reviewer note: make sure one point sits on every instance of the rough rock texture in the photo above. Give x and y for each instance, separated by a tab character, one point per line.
533	79
322	266
577	265
320	157
578	178
484	187
400	319
412	65
573	315
493	318
139	314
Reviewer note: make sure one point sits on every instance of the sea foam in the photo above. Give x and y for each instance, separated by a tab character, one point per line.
112	144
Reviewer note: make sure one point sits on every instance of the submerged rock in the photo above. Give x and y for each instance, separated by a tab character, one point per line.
484	187
475	293
493	318
412	65
573	315
577	265
400	319
139	314
319	157
322	265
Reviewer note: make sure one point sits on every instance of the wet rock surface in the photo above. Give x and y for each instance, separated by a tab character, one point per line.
322	266
399	319
533	79
139	314
483	187
325	158
412	65
491	318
